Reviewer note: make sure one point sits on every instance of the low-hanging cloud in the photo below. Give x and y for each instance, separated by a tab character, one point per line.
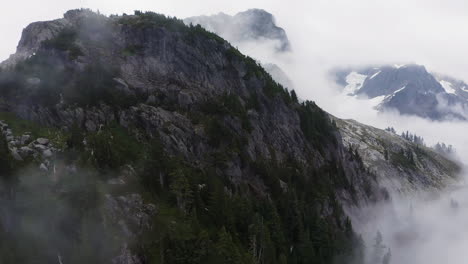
325	34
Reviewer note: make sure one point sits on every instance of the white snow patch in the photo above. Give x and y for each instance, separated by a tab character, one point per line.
355	82
375	74
447	87
390	96
399	90
398	66
376	101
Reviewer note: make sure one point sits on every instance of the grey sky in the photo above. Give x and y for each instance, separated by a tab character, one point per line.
324	33
428	32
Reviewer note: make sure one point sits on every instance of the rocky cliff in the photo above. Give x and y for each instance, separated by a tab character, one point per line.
403	167
188	150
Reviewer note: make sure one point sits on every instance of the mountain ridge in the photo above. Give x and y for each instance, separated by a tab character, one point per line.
410	89
249	25
171	117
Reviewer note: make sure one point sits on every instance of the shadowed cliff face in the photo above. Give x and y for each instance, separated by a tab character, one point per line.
216	143
149	72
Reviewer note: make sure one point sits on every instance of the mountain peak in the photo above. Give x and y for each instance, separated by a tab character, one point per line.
249	25
408	88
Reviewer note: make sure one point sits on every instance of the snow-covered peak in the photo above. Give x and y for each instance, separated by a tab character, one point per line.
448	87
354	82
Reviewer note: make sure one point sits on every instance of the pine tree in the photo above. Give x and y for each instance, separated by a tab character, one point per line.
180	187
294	96
378	248
6	166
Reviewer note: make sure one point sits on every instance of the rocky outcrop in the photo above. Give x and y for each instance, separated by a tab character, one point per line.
24	148
163	78
401	166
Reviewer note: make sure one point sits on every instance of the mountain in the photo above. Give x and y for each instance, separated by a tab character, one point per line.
400	165
139	139
278	75
248	26
410	89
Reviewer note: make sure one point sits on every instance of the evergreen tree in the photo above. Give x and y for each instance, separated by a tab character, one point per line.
7	166
294	96
378	248
180	187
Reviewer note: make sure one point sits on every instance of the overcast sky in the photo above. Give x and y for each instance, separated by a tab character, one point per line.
429	32
324	33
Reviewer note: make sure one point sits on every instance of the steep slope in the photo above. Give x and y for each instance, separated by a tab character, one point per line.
399	165
174	146
410	89
236	168
250	27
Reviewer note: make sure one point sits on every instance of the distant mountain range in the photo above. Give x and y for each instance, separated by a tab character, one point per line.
250	25
410	89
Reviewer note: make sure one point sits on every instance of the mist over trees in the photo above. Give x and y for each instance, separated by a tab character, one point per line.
440	147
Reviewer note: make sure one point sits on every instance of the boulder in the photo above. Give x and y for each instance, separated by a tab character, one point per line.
43	167
25	152
47	153
40	147
14	153
25	139
43	141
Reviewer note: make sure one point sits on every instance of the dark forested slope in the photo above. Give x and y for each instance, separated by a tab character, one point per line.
166	145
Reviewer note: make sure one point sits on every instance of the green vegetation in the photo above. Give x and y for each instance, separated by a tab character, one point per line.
20	126
110	148
275	212
154	20
7	163
151	19
96	85
230	105
403	159
254	70
65	41
132	50
200	222
316	125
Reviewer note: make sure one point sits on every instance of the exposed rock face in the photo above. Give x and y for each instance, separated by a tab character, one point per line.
22	148
208	105
165	71
279	75
410	89
250	25
161	70
401	166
